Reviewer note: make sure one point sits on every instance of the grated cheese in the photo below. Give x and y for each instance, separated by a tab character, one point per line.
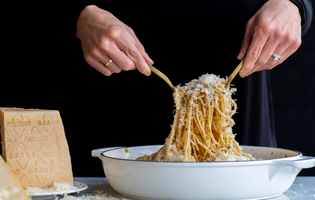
97	197
5	193
56	188
231	156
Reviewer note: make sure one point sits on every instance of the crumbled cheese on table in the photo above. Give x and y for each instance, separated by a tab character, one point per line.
97	197
56	188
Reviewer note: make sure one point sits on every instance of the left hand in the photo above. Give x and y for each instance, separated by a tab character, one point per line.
275	28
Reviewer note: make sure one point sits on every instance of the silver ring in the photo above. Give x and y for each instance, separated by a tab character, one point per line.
276	57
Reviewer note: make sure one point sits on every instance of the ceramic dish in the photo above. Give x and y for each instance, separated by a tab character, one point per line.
271	174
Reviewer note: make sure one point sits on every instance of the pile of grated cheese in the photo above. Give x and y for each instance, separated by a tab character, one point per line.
231	156
56	188
97	197
206	83
66	188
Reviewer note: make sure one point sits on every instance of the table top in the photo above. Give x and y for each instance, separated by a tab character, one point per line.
99	189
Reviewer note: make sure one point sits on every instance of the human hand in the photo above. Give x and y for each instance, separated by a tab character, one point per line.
275	28
104	38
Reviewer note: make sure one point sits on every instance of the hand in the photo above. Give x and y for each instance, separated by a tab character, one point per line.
275	28
104	37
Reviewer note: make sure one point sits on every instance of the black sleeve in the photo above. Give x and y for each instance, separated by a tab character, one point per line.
306	12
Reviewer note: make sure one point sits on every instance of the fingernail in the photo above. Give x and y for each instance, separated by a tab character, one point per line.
150	60
242	74
240	55
147	73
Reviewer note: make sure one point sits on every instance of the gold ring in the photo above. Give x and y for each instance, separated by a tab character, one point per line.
108	63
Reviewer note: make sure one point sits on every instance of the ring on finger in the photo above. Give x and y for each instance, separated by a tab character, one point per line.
276	57
108	63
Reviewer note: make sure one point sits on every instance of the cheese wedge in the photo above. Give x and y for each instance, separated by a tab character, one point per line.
10	188
34	146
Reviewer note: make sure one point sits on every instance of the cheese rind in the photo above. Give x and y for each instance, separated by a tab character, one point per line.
10	188
35	147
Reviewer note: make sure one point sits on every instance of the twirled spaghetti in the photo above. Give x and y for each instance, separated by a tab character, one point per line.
202	128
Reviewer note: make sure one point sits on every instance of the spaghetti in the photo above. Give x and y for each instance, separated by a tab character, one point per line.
202	128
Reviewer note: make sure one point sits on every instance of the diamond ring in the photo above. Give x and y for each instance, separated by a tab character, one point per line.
276	57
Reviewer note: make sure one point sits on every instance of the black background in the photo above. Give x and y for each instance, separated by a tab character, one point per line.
43	67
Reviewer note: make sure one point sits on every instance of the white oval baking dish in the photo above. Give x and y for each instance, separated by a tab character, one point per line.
271	174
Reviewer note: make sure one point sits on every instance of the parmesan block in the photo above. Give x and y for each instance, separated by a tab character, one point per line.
34	146
10	188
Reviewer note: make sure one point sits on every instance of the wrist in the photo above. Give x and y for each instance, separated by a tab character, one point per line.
298	6
83	17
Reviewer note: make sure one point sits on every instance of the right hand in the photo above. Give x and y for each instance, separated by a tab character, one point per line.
104	37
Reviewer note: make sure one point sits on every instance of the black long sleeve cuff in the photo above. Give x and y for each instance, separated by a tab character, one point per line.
306	12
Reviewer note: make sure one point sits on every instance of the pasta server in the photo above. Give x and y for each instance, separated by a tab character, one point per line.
231	77
162	76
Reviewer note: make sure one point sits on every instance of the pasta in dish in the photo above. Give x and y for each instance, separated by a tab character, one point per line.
202	127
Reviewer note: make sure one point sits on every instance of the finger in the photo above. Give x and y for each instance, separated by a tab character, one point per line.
93	61
107	62
139	46
99	66
273	60
120	58
134	54
254	51
147	58
246	40
286	48
264	61
110	64
284	52
126	45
